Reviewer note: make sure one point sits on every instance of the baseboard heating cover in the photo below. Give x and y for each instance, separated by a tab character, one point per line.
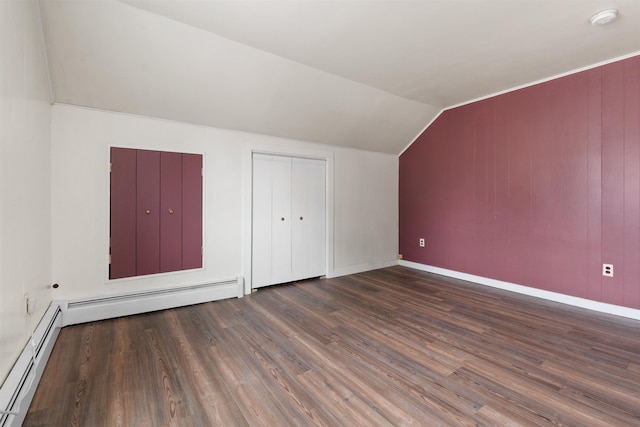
126	304
21	383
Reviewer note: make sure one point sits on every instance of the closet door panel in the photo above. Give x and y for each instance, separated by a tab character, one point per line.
308	210
281	219
148	213
261	221
170	212
191	211
123	213
299	192
315	231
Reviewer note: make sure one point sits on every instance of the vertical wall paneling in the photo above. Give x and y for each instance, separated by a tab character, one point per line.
546	158
518	190
613	179
537	187
594	185
170	212
574	215
148	212
631	220
501	191
123	213
191	211
484	187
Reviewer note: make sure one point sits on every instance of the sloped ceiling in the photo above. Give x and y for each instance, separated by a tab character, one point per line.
362	74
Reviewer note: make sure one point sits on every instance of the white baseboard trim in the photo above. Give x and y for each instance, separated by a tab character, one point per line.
360	268
130	303
21	383
526	290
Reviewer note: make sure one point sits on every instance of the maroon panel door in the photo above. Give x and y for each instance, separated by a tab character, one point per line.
191	211
148	212
170	212
123	213
156	212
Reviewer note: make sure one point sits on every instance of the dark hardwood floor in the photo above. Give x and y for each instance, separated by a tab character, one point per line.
385	348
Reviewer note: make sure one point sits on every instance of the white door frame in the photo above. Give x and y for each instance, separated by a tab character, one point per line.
247	204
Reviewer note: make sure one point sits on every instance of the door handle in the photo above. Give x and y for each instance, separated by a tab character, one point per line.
170	211
148	211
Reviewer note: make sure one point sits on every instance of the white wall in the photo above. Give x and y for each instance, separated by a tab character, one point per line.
25	155
365	190
366	217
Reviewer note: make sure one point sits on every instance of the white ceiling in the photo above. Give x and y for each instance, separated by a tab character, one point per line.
364	74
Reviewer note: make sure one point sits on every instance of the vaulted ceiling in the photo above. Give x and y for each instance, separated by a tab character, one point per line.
363	74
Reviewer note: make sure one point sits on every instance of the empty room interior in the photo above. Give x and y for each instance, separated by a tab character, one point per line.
329	213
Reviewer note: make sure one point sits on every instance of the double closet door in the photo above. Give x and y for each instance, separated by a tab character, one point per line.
155	212
289	219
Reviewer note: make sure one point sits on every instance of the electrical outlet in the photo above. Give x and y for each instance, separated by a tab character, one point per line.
422	242
607	270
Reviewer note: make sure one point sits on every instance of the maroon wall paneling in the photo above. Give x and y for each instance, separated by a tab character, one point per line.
148	212
192	210
123	213
537	187
170	212
594	188
613	177
631	219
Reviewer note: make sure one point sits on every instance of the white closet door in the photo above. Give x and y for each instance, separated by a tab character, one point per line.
308	210
288	219
281	219
261	222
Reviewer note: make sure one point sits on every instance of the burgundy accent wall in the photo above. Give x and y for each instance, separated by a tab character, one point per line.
538	187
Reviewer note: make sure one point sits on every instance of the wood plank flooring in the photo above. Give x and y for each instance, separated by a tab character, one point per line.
392	347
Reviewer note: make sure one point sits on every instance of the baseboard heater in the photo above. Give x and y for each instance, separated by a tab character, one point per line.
18	389
21	383
126	304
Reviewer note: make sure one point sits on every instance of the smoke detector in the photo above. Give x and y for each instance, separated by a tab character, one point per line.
604	17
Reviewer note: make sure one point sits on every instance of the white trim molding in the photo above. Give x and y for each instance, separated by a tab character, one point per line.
526	290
